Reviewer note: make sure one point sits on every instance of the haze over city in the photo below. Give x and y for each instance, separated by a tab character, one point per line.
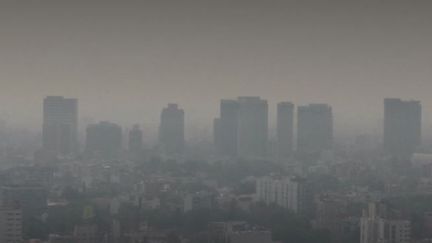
215	121
125	60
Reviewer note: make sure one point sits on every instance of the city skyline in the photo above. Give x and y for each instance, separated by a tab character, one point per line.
125	57
217	121
342	127
242	128
229	109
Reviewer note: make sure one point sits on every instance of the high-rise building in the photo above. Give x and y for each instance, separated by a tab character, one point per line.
285	129
104	139
226	128
135	144
314	128
402	126
242	128
252	133
60	125
171	130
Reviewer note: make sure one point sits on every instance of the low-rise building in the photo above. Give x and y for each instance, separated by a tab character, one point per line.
11	225
286	192
199	200
380	225
237	232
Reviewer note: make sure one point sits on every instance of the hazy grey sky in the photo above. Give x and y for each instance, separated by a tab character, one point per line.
124	60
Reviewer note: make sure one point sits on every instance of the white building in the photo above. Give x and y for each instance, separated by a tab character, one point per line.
394	231
286	192
10	225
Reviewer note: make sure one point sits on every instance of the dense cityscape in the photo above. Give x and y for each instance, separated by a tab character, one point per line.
244	188
215	121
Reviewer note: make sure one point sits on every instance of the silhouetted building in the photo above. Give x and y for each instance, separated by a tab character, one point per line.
314	128
171	130
285	129
226	128
135	144
252	134
104	139
60	125
402	127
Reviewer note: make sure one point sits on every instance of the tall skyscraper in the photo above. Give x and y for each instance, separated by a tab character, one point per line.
402	126
226	128
135	144
171	130
104	139
252	133
315	128
60	125
285	129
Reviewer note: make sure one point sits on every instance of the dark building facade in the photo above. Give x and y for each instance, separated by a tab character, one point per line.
171	130
314	128
242	128
135	143
402	126
226	128
285	129
60	125
252	133
104	139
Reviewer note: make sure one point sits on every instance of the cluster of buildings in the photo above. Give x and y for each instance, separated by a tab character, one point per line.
103	139
111	179
114	186
379	224
241	130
